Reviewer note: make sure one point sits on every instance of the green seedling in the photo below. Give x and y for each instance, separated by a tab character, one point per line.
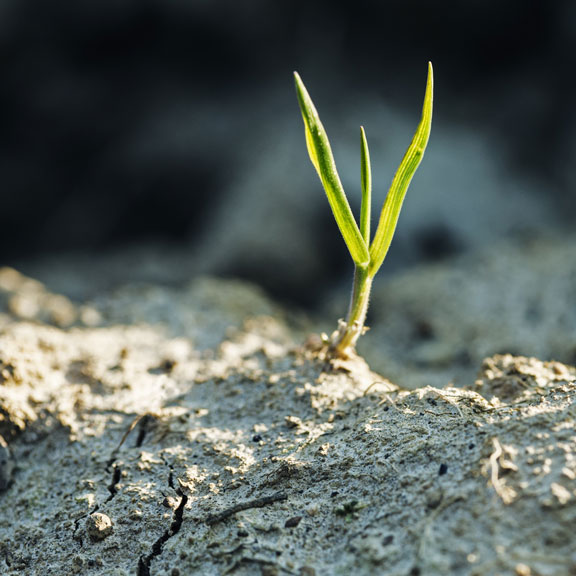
368	254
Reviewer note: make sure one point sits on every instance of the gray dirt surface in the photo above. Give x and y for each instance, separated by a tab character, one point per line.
435	324
168	432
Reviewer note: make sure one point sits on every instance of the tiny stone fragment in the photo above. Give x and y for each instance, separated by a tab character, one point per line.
523	570
6	465
135	514
293	421
293	522
562	494
170	502
98	526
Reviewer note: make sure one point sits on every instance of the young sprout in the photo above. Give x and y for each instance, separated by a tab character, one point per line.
367	254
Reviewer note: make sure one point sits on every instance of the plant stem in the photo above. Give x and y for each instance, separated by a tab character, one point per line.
353	328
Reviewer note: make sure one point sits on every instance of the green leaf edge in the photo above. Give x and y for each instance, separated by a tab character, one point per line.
323	160
402	178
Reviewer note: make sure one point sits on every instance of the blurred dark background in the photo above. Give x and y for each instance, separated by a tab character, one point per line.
166	133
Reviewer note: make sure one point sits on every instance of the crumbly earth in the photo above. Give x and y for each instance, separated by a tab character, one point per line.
184	431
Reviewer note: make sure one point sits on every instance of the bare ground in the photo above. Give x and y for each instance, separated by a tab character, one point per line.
173	432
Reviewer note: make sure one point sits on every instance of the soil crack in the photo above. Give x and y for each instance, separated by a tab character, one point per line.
177	519
112	488
76	535
116	475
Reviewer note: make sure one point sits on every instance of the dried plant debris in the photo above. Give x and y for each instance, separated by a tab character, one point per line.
255	459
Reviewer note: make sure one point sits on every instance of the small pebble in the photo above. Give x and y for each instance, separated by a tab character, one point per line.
293	421
135	514
292	522
170	502
99	526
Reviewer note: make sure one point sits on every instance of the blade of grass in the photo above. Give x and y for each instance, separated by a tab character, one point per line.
402	178
366	180
321	156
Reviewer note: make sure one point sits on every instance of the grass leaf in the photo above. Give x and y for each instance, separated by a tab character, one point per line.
321	156
395	198
366	181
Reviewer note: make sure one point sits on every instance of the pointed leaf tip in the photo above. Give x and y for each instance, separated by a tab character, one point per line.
366	184
323	161
402	178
